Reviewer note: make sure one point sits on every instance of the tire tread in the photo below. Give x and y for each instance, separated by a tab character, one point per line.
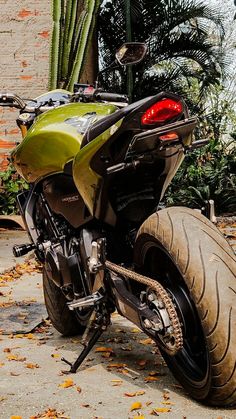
208	265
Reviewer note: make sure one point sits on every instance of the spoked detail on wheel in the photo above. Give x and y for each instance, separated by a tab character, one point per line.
187	254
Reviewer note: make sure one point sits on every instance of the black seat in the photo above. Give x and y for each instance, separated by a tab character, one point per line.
103	124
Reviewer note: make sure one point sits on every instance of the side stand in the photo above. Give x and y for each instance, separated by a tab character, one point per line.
99	323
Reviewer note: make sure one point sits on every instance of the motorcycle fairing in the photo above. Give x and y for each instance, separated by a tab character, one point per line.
54	139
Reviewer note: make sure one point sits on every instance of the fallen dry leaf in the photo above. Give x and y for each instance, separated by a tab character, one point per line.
158	410
136	393
19	270
8	304
30	336
125	372
130	394
55	355
85	405
117	382
168	403
139	417
75	340
103	349
50	413
140	392
16	417
1	364
32	366
166	395
135	330
79	389
107	354
116	339
136	406
26	335
118	365
153	373
147	341
67	383
15	358
150	378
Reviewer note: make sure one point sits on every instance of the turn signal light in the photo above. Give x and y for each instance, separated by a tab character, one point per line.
162	112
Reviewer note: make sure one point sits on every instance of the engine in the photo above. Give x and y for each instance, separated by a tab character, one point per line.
59	251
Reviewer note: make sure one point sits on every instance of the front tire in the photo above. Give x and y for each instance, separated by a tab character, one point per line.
63	319
187	254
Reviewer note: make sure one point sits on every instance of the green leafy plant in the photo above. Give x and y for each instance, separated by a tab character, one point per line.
184	41
206	174
10	185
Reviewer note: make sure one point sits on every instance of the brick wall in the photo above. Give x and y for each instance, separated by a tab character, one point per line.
24	56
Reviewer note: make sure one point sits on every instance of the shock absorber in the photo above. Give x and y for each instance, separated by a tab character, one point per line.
22	249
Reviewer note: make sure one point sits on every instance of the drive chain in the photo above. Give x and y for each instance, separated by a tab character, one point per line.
163	295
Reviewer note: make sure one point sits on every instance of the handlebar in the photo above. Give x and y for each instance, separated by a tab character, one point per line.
8	99
89	94
110	97
11	100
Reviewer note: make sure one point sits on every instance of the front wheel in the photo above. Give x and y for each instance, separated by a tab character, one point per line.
64	320
188	255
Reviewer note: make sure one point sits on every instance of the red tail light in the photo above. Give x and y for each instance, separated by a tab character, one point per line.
162	111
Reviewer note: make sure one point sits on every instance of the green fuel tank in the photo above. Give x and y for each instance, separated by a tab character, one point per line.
55	138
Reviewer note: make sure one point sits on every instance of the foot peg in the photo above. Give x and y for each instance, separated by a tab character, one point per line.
90	301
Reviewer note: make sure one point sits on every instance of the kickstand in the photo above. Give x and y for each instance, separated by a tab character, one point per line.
99	326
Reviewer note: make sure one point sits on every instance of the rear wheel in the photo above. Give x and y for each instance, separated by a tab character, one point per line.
192	260
64	320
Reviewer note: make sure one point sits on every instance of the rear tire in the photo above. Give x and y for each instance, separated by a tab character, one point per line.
63	319
185	252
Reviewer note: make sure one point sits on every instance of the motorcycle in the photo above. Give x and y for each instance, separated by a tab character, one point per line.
98	168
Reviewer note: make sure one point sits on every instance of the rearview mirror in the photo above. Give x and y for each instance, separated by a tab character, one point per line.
131	53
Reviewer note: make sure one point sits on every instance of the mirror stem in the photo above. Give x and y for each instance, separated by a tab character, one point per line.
130	81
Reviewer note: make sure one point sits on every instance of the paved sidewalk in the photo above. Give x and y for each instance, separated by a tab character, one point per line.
108	383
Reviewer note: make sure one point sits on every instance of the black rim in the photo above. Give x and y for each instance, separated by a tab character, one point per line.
192	362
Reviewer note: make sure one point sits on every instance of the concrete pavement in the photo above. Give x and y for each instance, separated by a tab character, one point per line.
107	384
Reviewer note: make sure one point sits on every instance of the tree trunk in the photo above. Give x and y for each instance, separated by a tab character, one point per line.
90	70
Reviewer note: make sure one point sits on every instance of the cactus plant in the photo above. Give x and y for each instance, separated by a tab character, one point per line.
54	53
73	27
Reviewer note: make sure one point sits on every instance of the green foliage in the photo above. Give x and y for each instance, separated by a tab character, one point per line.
208	173
73	28
184	39
10	185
